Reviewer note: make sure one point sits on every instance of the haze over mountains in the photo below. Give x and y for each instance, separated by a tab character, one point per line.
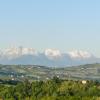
50	57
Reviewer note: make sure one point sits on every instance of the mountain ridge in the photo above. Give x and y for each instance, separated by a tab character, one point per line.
50	57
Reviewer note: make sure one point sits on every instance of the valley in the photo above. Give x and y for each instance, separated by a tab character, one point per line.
35	72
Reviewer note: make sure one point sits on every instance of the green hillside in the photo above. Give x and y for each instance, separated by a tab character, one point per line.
35	72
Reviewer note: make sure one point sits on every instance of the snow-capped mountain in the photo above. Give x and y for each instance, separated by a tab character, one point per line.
53	54
80	54
14	52
50	57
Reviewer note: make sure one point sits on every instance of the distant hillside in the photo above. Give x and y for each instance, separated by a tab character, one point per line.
35	72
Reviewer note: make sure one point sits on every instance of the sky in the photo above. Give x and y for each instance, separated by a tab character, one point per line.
61	24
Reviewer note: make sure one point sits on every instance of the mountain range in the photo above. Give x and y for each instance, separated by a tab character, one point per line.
50	57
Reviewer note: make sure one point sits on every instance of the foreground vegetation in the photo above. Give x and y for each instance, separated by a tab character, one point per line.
54	89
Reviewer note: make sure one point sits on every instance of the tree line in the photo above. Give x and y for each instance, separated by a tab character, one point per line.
54	89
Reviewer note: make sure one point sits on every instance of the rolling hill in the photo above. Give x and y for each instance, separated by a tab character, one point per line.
35	72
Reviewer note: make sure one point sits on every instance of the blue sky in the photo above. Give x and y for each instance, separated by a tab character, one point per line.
61	24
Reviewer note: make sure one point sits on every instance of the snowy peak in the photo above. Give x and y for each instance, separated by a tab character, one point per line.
29	51
52	53
80	54
49	53
16	52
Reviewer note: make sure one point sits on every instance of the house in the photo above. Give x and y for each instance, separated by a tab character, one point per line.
84	81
